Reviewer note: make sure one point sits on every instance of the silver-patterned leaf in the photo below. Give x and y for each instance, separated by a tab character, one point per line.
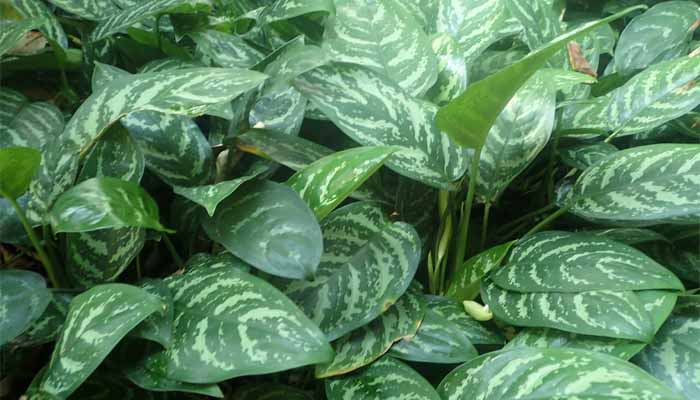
150	380
97	320
452	70
630	236
11	32
279	110
467	279
367	264
50	27
386	378
293	152
375	112
93	10
270	227
453	311
225	50
540	25
551	374
583	156
674	355
382	36
48	327
158	327
362	346
27	124
642	186
493	60
23	299
229	323
661	33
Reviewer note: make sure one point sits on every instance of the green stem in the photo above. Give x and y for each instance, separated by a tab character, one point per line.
159	41
524	218
485	226
45	260
614	135
545	222
171	248
466	212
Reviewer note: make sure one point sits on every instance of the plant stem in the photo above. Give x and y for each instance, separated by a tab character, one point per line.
485	226
45	260
614	135
551	165
466	212
525	217
545	222
173	252
138	267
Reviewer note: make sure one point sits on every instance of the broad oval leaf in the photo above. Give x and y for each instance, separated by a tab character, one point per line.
100	203
642	186
452	76
583	156
18	165
367	264
385	378
27	124
364	345
158	327
97	320
229	323
382	36
226	50
467	280
674	355
11	32
560	373
269	226
23	299
330	180
373	111
50	26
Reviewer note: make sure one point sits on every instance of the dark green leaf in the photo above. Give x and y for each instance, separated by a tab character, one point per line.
23	299
18	165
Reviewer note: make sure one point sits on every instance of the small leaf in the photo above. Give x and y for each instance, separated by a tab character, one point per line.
18	165
330	180
561	373
23	299
267	225
100	203
97	320
466	283
385	378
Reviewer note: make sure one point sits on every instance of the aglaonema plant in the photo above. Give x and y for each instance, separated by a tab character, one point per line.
345	199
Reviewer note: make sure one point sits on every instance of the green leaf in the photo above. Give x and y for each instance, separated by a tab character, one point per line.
271	391
561	373
23	299
11	228
674	355
158	327
291	151
640	44
468	119
270	227
97	320
280	110
27	124
11	32
452	70
658	304
149	380
684	262
100	203
367	264
226	50
366	344
116	154
586	155
187	91
375	112
467	280
287	9
48	327
630	236
140	11
327	182
517	136
381	36
93	10
641	186
18	165
541	25
229	323
50	26
454	313
386	378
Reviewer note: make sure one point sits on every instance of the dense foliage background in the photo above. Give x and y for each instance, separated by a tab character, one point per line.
350	199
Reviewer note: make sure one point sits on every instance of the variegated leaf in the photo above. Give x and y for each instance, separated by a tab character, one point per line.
453	311
559	373
23	299
540	25
140	11
286	9
642	186
229	323
280	111
493	60
209	196
630	236
293	152
467	280
158	327
658	304
225	50
330	180
684	262
518	135
270	227
116	154
661	33
452	70
375	112
674	355
475	24
386	378
382	36
577	262
153	381
27	124
93	10
11	32
50	27
186	91
48	327
96	321
583	156
364	345
368	263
